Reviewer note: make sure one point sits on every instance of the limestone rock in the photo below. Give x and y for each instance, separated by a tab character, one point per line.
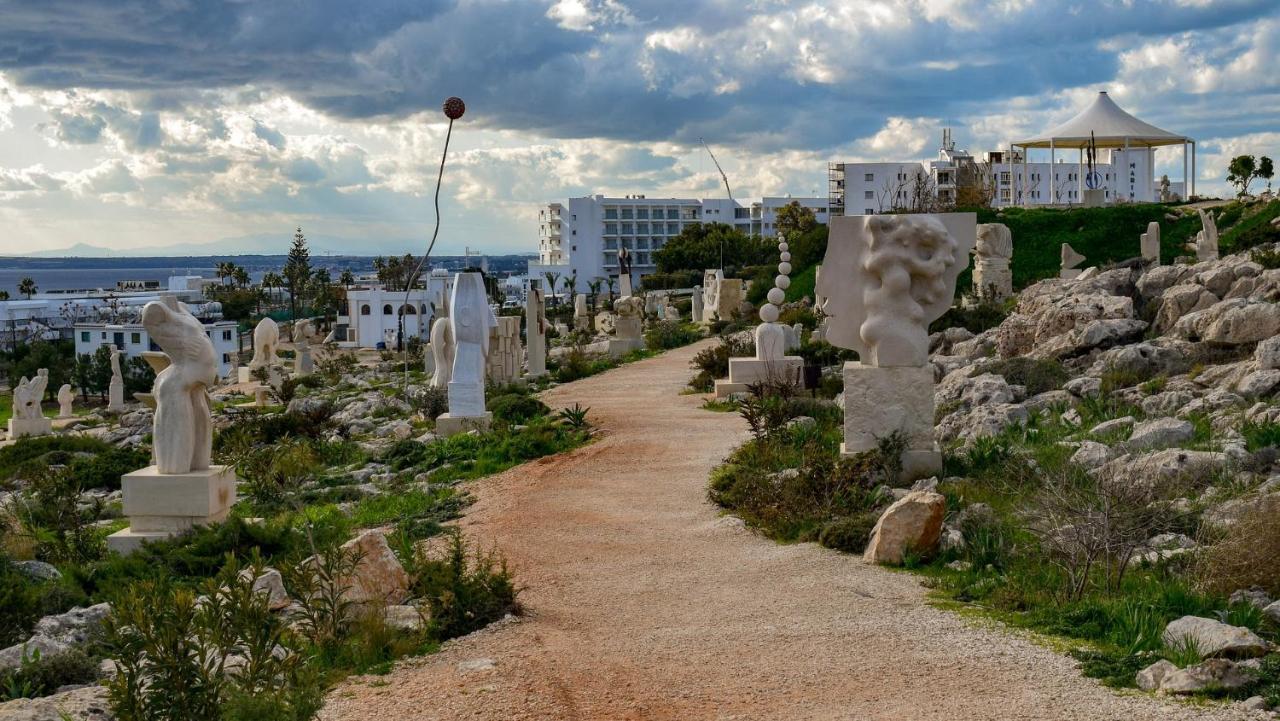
1253	596
272	584
1272	611
1230	512
1214	638
1161	433
1091	454
38	570
1150	678
87	703
1232	322
378	577
1268	353
1115	425
1083	387
405	618
73	627
1217	674
11	657
1259	383
913	523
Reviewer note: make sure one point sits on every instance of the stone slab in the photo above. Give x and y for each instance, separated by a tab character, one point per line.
128	540
619	347
203	494
449	425
20	427
754	370
879	401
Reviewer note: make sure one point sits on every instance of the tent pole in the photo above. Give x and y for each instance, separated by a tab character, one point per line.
1126	168
1053	176
1193	171
1080	179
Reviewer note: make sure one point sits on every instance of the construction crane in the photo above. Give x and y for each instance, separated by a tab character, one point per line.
727	190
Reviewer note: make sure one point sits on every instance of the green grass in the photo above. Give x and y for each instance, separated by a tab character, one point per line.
1251	230
802	284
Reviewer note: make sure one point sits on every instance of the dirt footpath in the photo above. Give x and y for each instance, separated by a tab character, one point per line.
644	603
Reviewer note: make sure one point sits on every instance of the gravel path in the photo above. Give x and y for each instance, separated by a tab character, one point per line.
643	603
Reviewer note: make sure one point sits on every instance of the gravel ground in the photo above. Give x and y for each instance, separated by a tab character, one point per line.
643	603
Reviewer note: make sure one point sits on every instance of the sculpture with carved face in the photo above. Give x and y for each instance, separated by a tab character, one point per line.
470	319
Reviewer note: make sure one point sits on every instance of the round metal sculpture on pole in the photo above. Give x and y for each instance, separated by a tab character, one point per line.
453	109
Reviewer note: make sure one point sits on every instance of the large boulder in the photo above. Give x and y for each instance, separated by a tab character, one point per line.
378	577
1232	322
1213	638
1161	433
1215	674
1150	678
912	524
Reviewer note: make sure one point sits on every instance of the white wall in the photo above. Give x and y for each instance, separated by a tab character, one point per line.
132	339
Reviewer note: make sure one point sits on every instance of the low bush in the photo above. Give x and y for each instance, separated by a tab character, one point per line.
517	408
466	590
712	363
1038	375
40	675
850	533
1260	435
668	334
24	600
14	457
1247	555
973	317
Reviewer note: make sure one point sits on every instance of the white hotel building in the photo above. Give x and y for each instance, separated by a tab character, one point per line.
584	235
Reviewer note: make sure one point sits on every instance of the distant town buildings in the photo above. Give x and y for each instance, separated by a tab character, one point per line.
132	339
370	314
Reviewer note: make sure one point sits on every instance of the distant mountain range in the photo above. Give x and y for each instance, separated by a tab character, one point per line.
258	244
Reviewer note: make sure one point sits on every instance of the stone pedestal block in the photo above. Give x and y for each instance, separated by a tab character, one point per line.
745	371
879	401
619	347
451	425
161	505
1095	198
19	427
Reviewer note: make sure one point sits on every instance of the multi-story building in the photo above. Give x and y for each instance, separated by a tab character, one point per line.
1001	176
132	339
370	315
583	237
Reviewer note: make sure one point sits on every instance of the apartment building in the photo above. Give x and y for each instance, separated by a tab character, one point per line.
584	236
132	339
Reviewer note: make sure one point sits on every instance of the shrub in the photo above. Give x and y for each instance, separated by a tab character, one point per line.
40	675
104	470
667	334
1260	435
1248	554
849	533
51	515
1039	376
517	408
975	317
14	457
23	601
430	401
466	590
713	362
1268	258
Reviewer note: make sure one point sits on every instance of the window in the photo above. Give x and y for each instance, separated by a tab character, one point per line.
673	228
364	309
642	213
135	338
386	309
118	339
226	357
226	335
628	228
870	177
742	212
868	211
627	214
408	310
868	195
84	336
642	227
673	213
104	335
611	213
610	228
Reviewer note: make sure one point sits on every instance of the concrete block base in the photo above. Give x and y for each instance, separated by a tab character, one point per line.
619	347
447	425
745	371
879	401
161	505
19	427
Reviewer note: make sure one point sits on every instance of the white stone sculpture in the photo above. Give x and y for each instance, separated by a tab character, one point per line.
28	418
535	331
772	339
581	319
1071	261
1150	243
885	278
303	363
441	348
115	390
625	288
992	279
1207	239
628	326
696	309
710	291
266	338
66	397
506	354
470	319
182	489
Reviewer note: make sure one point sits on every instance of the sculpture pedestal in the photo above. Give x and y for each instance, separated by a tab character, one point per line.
1095	198
19	427
745	371
619	347
879	401
451	425
160	505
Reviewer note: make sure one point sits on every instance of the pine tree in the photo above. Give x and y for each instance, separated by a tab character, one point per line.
297	273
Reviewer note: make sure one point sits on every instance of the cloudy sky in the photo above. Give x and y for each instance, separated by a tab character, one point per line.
137	123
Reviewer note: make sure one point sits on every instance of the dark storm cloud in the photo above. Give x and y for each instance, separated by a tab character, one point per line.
519	70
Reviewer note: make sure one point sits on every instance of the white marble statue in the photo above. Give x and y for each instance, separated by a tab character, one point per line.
1071	261
183	432
992	279
770	336
535	320
506	354
696	309
470	319
710	293
303	363
581	319
28	394
1149	243
887	277
266	337
441	351
1207	239
66	397
115	390
629	324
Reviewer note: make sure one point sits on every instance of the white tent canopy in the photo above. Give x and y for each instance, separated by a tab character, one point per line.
1106	125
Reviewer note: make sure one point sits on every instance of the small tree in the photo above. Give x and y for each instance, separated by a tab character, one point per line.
347	279
793	218
297	272
594	286
27	287
553	279
1244	168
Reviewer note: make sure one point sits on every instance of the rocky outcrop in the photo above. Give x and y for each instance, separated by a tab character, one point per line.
1213	639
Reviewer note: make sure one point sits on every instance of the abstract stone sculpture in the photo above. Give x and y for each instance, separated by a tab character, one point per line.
696	309
1150	243
470	320
302	361
1070	263
992	279
772	339
442	349
506	354
628	326
535	330
183	434
28	418
115	390
884	279
66	397
1207	239
266	338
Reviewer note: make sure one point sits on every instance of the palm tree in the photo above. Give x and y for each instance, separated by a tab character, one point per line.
271	280
224	270
552	280
4	295
27	287
612	281
241	276
595	287
347	279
